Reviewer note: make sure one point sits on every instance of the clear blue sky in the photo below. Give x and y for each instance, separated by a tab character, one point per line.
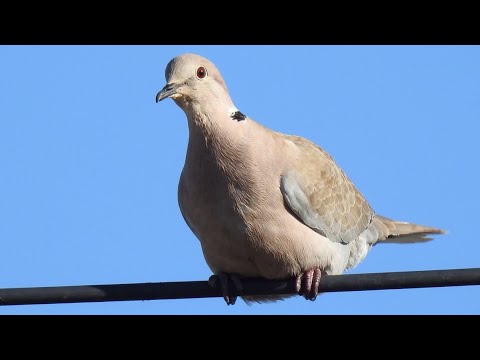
89	164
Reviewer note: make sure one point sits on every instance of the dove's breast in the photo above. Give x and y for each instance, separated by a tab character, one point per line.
230	197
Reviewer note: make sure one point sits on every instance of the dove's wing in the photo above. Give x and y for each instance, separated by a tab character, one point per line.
322	196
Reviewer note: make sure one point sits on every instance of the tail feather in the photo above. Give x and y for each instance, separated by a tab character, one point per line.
392	231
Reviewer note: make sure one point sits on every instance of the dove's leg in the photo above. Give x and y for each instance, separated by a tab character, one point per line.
223	280
310	280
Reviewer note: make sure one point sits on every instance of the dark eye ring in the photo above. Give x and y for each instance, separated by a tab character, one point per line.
201	72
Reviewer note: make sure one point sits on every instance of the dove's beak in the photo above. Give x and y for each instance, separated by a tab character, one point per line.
167	91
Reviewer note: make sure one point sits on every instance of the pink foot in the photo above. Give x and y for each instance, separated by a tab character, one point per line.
223	279
310	280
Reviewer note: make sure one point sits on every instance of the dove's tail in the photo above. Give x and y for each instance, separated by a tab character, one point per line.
392	231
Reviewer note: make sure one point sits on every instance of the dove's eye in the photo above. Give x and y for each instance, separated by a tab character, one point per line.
201	72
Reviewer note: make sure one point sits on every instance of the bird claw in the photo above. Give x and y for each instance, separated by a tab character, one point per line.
224	279
310	280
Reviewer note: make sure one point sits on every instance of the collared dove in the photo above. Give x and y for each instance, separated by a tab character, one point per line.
266	204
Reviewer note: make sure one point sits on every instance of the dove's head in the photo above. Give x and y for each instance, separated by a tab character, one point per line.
194	82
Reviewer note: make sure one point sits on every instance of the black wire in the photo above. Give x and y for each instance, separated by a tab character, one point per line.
201	289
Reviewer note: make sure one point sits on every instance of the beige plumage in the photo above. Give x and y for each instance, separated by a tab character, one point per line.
265	204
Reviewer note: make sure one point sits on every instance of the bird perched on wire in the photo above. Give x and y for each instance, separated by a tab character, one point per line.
266	204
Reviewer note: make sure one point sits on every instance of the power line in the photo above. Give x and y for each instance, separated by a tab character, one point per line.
201	289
